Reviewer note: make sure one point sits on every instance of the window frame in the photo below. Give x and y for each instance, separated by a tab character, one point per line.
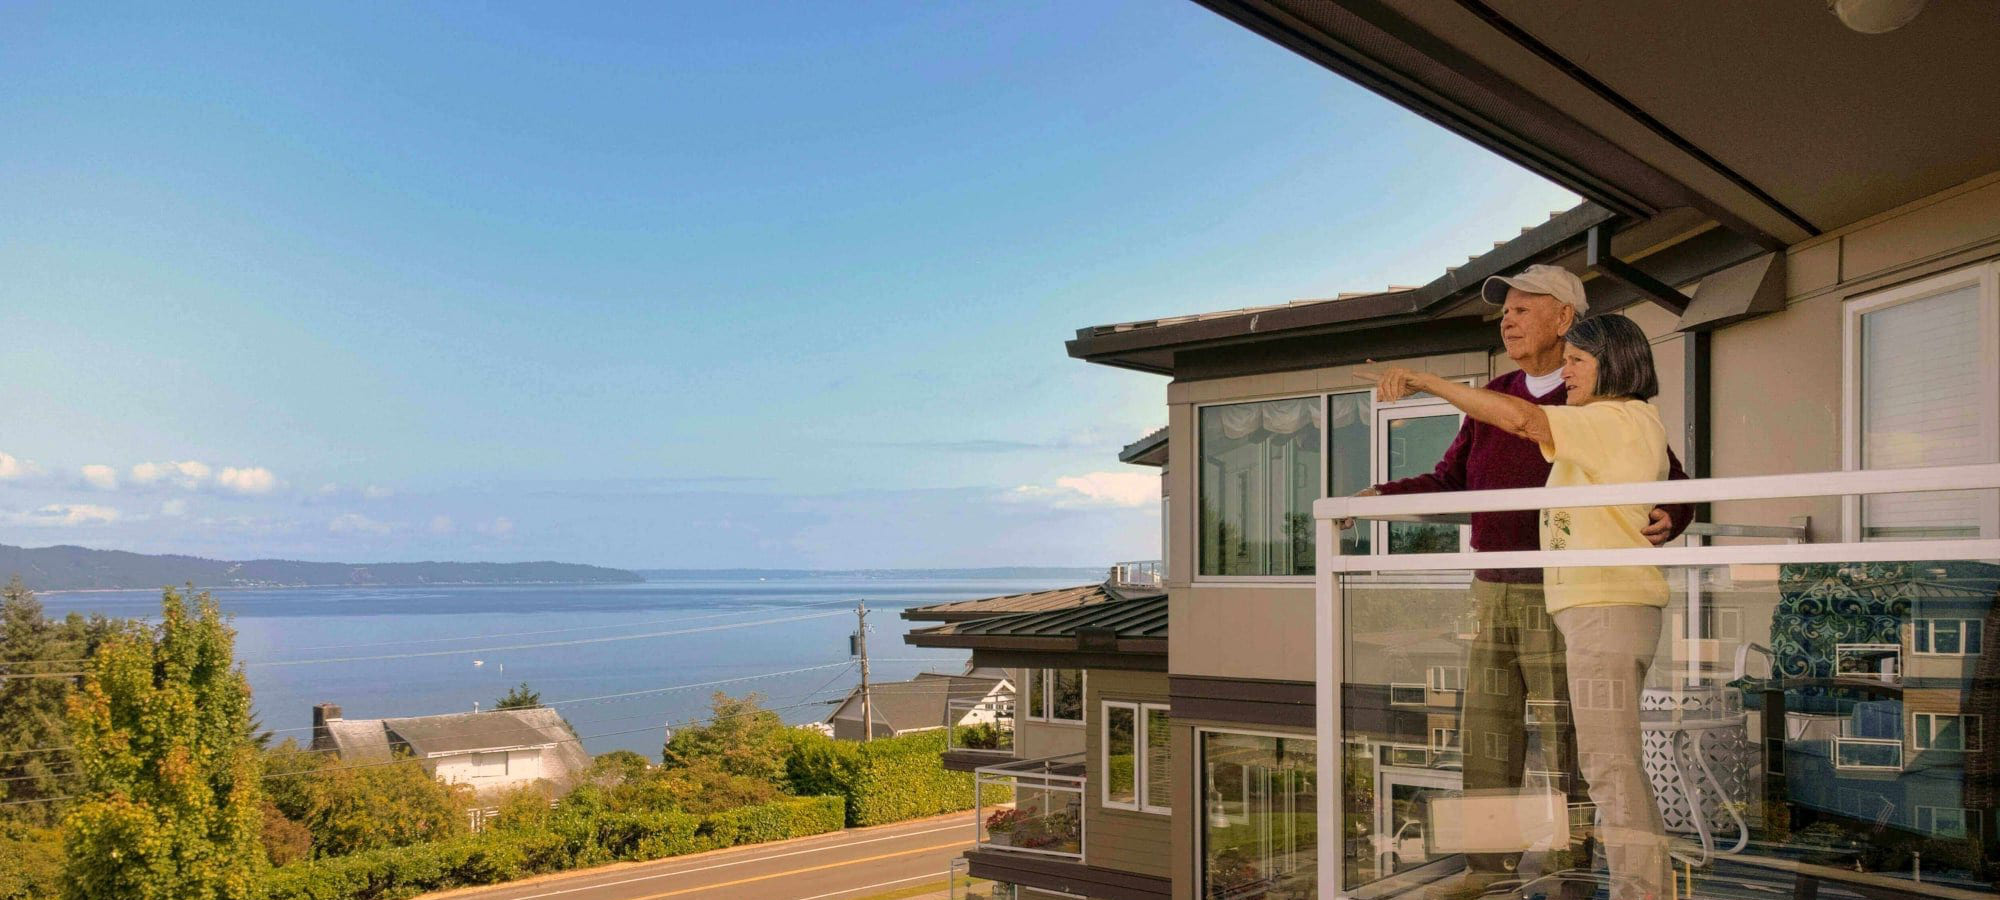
1104	755
1203	814
1200	467
1040	682
1924	738
1986	277
1421	406
1146	712
1923	637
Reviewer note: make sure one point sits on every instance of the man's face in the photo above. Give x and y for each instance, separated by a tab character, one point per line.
1531	324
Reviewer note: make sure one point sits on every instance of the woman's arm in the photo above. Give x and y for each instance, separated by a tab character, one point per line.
1508	413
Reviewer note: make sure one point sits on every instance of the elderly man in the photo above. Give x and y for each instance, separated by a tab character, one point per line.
1517	656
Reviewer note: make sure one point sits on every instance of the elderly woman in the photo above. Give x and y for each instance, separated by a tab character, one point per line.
1609	616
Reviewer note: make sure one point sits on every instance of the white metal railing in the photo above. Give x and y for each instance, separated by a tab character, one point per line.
1141	573
1043	810
980	725
1330	611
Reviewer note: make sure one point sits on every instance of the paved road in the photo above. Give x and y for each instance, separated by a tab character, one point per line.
841	866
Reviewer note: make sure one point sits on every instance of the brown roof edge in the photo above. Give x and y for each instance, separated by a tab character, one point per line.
1099	345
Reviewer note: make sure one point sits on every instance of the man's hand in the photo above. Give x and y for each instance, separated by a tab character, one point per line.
1659	527
1345	524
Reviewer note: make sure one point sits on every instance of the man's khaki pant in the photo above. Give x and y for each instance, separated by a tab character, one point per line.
1610	649
1516	673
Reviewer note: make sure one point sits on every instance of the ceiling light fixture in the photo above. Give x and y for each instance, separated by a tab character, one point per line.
1875	16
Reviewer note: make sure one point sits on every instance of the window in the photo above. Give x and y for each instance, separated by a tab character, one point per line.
1444	740
1408	695
1157	790
488	765
1946	637
1258	818
1055	695
1349	469
1138	750
1411	439
1947	821
1260	472
1923	389
1121	755
1938	731
1447	678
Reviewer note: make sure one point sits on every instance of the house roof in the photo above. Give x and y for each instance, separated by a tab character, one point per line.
1150	450
916	704
1125	626
455	733
1745	111
1034	601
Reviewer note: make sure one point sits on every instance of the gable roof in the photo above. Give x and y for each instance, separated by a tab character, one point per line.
918	703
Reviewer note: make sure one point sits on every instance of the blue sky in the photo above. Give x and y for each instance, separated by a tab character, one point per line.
657	285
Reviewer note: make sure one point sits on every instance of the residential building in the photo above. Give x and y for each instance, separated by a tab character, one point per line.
1805	220
922	704
491	752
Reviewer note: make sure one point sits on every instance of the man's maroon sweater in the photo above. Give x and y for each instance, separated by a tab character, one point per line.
1483	458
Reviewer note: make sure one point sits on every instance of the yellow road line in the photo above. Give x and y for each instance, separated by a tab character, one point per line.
791	872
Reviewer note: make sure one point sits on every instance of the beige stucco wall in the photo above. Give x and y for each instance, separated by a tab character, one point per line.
1115	838
1777	380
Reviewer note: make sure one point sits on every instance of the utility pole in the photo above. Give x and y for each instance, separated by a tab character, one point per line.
861	646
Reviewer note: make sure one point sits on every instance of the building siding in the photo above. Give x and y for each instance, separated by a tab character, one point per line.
1120	839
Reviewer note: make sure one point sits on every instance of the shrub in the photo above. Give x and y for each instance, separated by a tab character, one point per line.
883	781
30	862
577	835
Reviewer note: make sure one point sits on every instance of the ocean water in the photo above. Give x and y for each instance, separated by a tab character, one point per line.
381	652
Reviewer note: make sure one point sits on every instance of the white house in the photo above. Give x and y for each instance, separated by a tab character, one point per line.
920	704
491	751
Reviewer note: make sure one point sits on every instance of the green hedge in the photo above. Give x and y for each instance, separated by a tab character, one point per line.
567	842
885	780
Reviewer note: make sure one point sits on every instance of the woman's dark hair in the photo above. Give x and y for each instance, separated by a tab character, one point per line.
1624	357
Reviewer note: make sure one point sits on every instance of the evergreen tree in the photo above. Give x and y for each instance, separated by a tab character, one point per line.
172	804
741	737
31	708
520	698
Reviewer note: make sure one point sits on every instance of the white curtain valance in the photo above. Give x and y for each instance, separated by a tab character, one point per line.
1275	416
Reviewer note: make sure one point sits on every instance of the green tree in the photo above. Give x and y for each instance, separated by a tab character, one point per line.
173	801
520	698
616	767
741	737
368	806
31	708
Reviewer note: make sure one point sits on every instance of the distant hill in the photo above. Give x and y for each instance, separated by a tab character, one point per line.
67	568
1082	575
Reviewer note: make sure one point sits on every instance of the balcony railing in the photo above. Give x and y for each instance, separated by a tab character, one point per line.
980	725
1031	806
1734	567
1143	573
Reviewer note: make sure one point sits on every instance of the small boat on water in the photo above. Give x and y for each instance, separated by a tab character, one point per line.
478	662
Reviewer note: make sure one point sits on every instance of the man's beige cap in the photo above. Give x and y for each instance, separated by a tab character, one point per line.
1554	281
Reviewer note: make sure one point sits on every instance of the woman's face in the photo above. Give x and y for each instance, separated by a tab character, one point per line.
1579	375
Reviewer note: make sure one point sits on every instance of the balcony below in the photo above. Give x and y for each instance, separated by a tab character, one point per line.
1032	806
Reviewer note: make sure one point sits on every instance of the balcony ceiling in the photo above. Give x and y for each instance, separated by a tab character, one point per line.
1771	116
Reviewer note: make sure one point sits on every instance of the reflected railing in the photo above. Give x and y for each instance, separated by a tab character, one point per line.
1139	573
1031	806
1777	717
980	725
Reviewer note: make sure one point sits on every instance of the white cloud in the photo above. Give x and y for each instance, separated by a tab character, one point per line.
103	478
376	492
248	480
174	507
12	468
355	523
63	515
186	474
1124	489
442	525
500	526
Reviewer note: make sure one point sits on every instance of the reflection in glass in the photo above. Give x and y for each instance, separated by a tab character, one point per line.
1120	747
1348	467
1258	817
1415	446
1066	694
1260	472
1843	715
1159	758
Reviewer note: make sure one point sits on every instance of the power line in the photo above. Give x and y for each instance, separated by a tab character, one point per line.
602	697
579	641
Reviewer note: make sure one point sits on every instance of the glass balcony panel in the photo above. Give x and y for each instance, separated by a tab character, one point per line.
980	725
1032	806
1786	710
